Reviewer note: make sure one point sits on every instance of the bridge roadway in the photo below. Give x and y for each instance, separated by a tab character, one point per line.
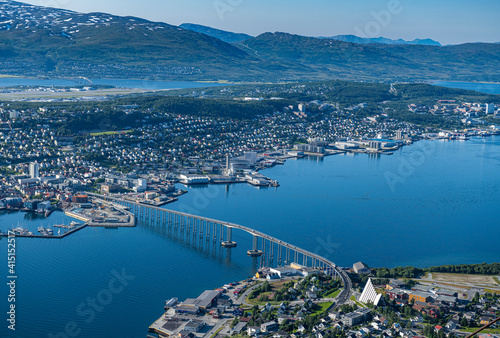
340	299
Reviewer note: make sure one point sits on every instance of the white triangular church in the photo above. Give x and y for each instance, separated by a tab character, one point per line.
369	294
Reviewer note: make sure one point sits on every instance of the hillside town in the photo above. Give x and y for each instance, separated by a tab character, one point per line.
295	301
145	162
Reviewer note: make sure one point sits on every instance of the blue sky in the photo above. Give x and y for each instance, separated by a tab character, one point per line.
448	21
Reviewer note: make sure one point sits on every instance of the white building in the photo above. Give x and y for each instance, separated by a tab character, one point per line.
369	294
187	179
490	108
284	271
34	170
361	267
140	185
14	114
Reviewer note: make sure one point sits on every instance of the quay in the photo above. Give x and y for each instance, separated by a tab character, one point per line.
2	234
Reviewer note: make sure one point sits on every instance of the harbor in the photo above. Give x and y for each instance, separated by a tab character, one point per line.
45	232
99	213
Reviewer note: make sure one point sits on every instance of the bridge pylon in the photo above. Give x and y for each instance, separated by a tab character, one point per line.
229	242
255	252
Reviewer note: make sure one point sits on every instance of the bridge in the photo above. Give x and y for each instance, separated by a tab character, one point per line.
81	80
271	250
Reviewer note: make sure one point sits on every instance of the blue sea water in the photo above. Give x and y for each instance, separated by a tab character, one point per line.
488	88
435	202
121	83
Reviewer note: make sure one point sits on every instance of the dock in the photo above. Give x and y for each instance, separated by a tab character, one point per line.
47	236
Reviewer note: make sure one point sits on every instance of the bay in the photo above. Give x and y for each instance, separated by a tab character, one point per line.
432	203
482	87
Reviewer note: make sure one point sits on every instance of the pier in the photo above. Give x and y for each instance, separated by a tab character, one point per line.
46	236
271	251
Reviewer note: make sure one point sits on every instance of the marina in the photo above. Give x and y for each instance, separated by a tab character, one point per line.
45	233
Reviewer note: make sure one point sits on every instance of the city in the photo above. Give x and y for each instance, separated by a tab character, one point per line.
249	169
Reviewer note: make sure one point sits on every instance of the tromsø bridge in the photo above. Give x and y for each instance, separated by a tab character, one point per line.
271	250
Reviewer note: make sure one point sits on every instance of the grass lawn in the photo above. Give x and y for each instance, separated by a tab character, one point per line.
496	280
255	301
332	293
353	298
111	133
321	307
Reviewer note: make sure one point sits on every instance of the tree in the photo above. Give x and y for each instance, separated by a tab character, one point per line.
234	322
255	310
464	322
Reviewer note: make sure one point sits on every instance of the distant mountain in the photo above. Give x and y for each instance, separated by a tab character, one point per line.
50	42
225	36
381	40
326	57
42	41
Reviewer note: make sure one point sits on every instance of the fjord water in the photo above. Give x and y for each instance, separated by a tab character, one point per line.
435	202
482	87
488	88
120	83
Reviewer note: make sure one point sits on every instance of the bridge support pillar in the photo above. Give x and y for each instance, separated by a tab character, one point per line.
255	252
229	239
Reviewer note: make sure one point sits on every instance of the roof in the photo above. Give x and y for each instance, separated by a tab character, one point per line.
272	322
420	287
240	326
204	300
421	294
443	298
359	265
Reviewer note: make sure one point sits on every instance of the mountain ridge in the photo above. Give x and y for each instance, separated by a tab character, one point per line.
220	34
42	41
382	40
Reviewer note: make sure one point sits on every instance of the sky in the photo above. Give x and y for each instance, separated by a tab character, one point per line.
447	21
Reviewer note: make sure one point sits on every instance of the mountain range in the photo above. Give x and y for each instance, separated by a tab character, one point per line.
382	40
50	42
225	36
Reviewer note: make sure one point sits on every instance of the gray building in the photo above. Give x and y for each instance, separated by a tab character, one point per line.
357	317
361	267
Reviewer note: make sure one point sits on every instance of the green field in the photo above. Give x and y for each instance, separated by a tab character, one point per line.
332	294
353	298
321	307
